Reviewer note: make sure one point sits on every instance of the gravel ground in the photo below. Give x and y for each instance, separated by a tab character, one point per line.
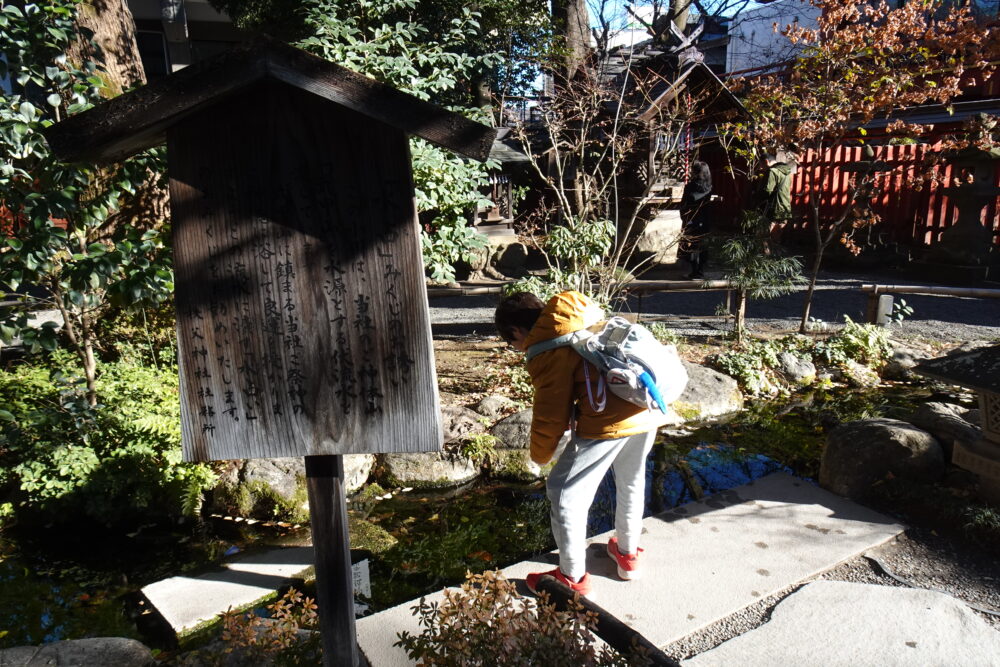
943	318
919	557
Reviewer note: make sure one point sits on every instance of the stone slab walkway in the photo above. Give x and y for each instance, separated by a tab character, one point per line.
703	561
188	602
841	624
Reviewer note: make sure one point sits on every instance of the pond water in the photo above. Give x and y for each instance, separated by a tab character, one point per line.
60	586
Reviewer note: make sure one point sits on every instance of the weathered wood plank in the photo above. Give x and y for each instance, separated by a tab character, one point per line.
303	327
139	119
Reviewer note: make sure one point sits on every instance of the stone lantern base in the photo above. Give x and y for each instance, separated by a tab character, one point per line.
982	458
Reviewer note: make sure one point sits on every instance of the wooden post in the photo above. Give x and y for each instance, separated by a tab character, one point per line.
872	310
883	310
334	583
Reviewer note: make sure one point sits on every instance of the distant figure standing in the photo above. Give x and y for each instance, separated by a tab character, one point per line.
696	220
775	198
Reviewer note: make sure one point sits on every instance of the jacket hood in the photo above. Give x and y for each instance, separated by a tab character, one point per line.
782	167
565	313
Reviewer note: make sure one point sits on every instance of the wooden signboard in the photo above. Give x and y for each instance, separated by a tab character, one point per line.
301	317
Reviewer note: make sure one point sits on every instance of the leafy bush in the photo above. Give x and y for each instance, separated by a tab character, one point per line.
754	364
488	623
113	462
664	334
286	637
480	447
509	377
867	344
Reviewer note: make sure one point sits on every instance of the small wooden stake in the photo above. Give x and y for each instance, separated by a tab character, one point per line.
332	553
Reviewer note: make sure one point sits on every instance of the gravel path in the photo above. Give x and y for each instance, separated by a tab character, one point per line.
946	318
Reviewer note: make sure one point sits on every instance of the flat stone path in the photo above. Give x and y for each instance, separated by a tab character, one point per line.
703	561
841	624
189	602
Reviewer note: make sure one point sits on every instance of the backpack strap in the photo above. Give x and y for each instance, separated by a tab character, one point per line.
570	339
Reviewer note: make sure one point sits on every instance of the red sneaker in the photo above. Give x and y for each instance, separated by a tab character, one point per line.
582	587
628	564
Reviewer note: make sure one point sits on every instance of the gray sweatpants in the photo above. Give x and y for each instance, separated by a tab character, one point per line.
573	483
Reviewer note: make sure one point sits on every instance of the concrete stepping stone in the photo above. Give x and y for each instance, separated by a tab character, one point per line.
842	624
187	603
702	561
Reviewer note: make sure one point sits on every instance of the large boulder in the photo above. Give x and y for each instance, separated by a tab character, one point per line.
798	370
511	460
434	470
946	422
708	394
265	488
860	376
901	362
513	432
495	406
426	470
860	453
92	652
657	244
458	422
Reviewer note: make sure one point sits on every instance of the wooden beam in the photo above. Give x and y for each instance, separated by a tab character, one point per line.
138	120
968	292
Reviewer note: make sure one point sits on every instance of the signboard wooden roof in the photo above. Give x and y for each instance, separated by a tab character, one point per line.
138	120
302	319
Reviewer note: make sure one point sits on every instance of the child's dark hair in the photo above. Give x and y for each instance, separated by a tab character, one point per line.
520	309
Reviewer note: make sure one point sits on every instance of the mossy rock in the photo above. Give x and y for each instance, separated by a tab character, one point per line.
515	465
426	470
367	535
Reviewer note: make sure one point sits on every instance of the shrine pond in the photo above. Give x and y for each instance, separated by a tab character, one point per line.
55	584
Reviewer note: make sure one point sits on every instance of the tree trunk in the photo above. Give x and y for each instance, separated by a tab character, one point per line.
740	315
573	25
112	45
680	9
804	324
820	247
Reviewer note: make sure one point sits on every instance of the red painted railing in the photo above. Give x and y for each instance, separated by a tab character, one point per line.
909	200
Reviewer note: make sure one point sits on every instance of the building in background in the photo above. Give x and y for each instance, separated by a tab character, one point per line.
172	34
755	43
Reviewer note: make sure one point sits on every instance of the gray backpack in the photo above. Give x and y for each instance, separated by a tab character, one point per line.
632	363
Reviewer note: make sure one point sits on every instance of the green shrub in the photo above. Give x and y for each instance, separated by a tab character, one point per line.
480	448
488	623
664	334
111	463
508	376
866	344
754	364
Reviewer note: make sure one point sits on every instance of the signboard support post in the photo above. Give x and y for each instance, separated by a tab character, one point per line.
334	582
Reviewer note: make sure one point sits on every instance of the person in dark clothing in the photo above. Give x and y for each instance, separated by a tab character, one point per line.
696	220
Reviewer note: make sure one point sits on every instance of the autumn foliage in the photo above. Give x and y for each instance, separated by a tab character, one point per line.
861	62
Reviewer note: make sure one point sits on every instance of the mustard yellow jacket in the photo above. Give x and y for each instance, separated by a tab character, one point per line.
560	384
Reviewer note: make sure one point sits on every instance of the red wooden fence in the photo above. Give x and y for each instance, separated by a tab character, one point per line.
912	213
912	208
